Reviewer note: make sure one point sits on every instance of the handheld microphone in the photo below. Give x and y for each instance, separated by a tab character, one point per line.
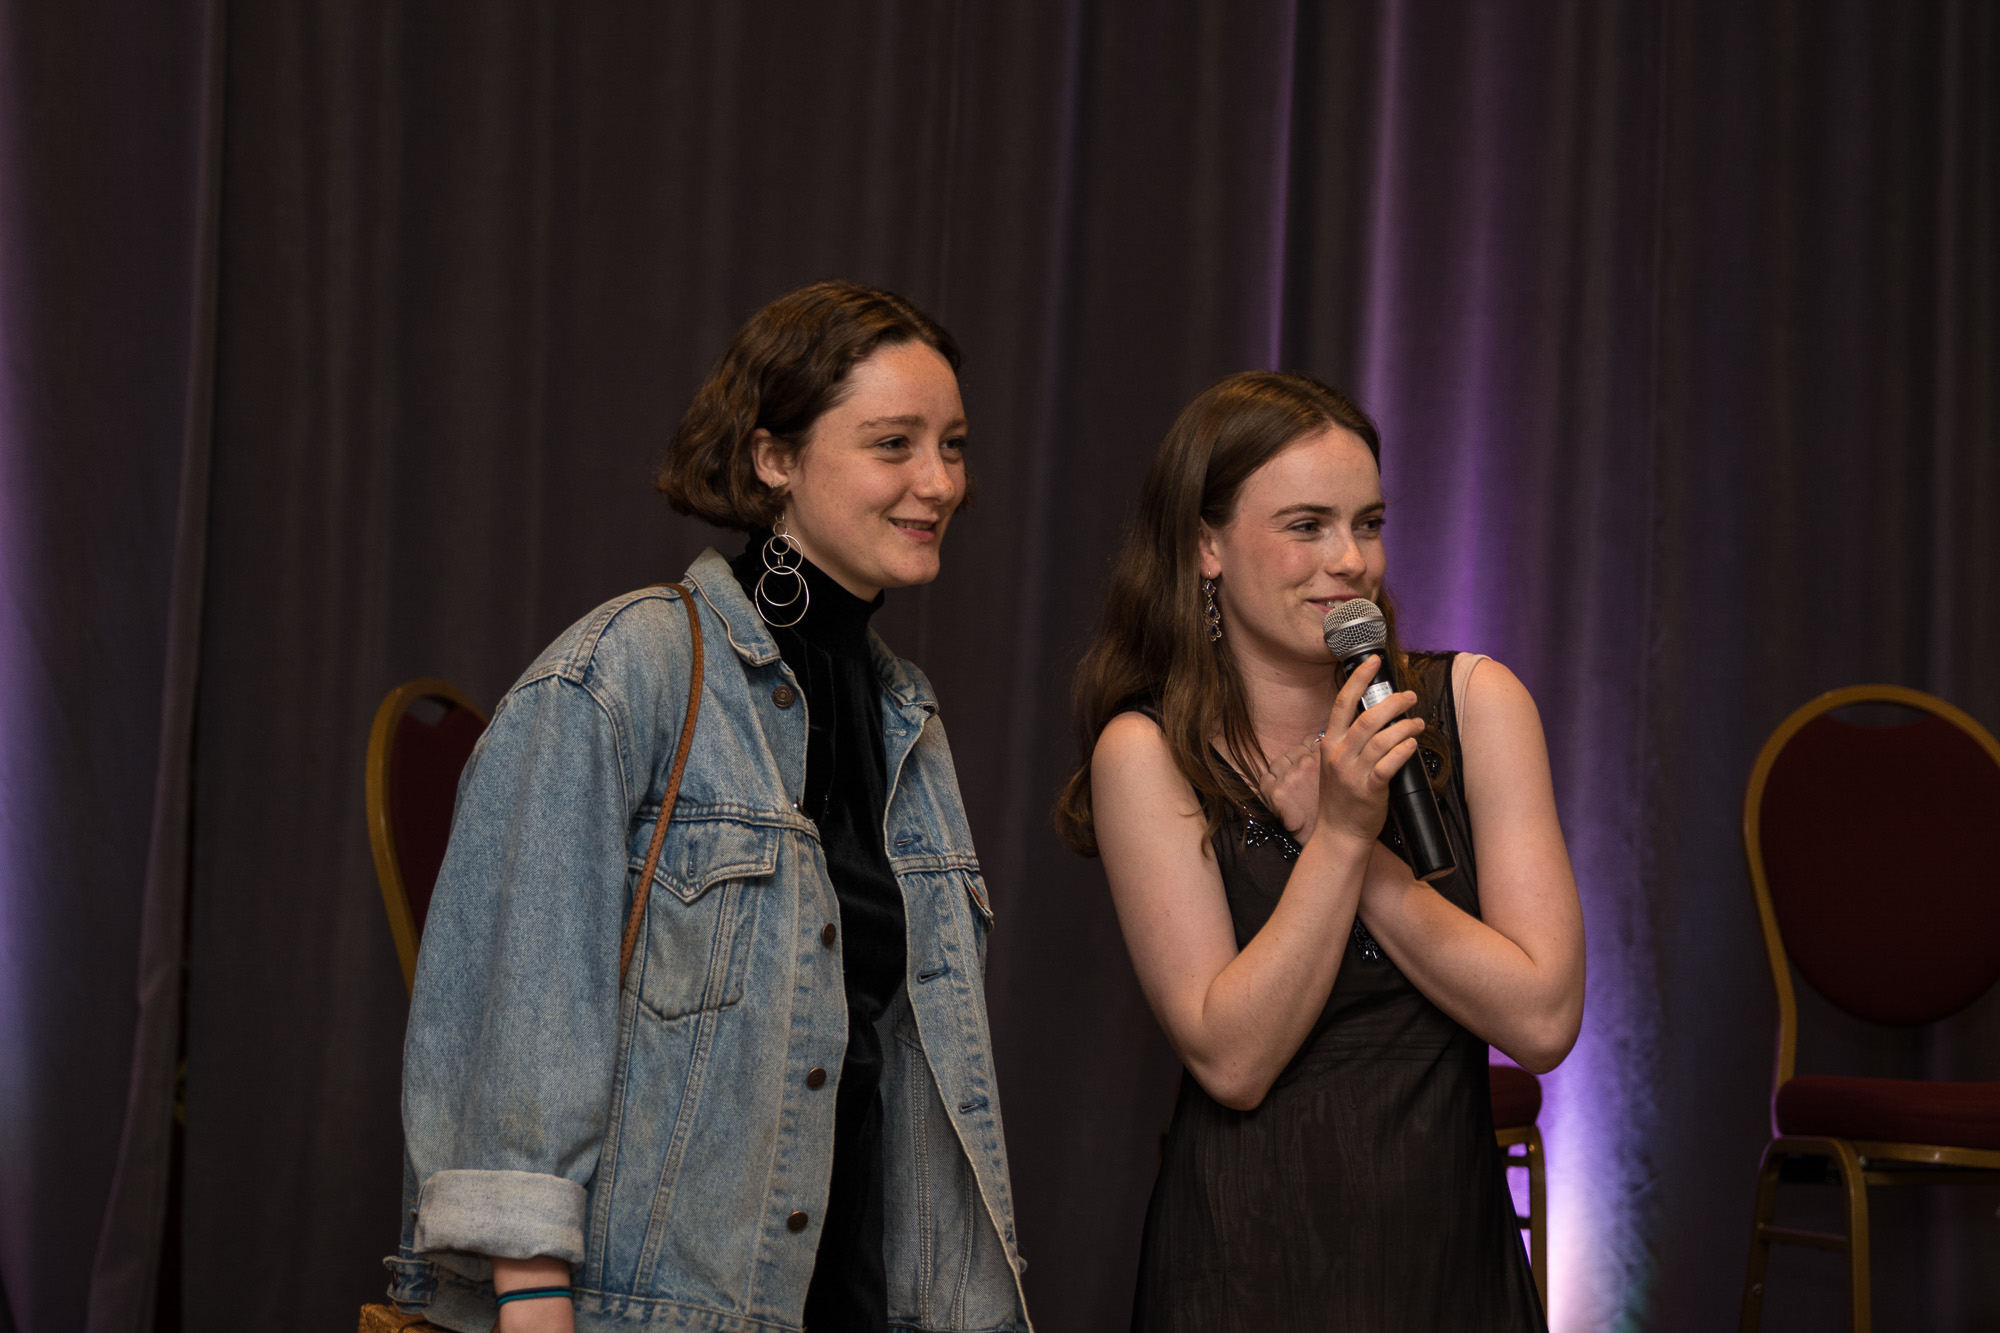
1355	631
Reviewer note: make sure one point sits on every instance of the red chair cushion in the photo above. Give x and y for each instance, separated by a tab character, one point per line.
423	788
1891	1110
1878	848
1517	1096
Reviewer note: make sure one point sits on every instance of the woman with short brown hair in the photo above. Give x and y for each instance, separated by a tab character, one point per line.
784	1114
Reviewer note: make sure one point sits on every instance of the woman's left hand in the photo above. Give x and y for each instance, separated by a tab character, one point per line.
1290	788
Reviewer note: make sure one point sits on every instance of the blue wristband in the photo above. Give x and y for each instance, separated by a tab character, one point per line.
532	1294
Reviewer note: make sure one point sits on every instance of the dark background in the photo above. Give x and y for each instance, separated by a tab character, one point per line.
337	339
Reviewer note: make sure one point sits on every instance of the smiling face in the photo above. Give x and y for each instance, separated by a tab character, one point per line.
870	491
1306	534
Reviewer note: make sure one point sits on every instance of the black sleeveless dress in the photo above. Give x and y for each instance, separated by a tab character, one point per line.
1366	1193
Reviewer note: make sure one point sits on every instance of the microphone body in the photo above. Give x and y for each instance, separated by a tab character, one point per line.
1355	632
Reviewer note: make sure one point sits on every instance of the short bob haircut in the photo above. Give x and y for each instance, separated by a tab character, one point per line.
786	366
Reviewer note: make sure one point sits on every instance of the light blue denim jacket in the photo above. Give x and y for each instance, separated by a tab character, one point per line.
664	1139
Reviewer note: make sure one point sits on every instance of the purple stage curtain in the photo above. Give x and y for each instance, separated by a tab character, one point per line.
107	123
1679	318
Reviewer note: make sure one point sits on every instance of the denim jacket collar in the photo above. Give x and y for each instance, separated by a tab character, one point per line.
751	638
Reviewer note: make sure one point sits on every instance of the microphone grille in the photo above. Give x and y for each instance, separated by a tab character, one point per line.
1354	626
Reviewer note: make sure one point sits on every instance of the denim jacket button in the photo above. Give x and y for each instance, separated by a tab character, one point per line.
796	1222
827	934
783	696
816	1079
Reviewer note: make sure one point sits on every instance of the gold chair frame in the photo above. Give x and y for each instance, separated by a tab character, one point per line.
381	830
1858	1164
1528	1138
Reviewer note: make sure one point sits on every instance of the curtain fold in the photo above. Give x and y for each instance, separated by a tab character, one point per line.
107	119
125	1273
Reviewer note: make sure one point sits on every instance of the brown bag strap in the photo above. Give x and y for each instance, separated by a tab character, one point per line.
643	891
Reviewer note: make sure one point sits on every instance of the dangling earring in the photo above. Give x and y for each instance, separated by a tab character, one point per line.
1214	612
783	557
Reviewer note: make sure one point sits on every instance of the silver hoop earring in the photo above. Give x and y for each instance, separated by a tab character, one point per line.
783	556
1213	611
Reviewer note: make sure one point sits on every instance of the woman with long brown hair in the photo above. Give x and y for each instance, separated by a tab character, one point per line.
1331	1162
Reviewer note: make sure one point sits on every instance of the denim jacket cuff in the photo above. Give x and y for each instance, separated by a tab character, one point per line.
508	1214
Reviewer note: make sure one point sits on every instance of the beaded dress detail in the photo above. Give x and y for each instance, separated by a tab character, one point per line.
1257	833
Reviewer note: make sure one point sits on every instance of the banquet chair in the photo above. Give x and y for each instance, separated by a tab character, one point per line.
1517	1104
1869	848
424	732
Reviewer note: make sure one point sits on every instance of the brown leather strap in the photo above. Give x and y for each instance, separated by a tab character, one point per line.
643	890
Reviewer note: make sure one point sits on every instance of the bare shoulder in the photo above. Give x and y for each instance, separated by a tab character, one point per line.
1127	740
1490	697
1132	759
1500	737
1136	788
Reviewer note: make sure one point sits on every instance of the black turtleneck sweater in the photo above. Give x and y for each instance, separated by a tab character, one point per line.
847	795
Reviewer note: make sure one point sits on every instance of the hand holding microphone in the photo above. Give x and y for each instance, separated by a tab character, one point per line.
1356	631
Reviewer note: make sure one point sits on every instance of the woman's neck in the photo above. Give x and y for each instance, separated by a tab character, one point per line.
830	614
1288	699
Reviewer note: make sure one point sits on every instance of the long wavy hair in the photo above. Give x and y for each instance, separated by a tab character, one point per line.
1152	649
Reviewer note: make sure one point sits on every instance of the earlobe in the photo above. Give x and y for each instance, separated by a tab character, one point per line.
1211	566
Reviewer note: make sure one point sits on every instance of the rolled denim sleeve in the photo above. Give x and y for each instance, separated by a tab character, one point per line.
509	1057
500	1212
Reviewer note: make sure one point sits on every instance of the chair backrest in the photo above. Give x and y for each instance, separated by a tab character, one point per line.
1516	1095
1870	841
423	734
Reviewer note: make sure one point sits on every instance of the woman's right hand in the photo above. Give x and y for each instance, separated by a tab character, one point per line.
1289	785
1362	752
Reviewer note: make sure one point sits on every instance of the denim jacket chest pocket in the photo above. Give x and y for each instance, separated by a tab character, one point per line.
928	833
958	869
712	881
